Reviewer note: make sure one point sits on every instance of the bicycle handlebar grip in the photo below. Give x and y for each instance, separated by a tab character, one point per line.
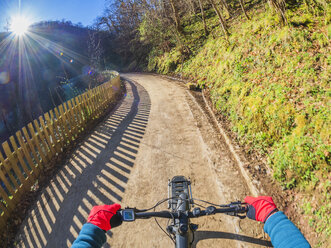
116	220
163	214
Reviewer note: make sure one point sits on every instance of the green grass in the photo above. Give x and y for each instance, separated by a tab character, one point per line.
273	84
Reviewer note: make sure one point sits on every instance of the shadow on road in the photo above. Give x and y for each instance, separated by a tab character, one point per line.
201	235
96	174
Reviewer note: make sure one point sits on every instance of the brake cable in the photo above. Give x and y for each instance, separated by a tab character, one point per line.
157	204
171	238
220	205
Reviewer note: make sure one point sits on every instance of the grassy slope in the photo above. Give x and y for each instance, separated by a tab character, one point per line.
273	84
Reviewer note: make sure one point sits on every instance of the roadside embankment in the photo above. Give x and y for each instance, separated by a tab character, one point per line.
272	84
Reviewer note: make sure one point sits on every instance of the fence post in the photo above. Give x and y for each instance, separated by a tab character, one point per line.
42	140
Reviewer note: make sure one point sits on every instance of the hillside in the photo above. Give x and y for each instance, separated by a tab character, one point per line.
268	75
273	84
41	70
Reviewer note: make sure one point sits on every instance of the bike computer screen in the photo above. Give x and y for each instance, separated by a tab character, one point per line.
128	215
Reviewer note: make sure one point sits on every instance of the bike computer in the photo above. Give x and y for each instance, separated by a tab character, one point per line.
128	215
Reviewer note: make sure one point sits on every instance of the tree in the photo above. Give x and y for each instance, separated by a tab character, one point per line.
243	9
280	7
226	7
176	16
221	18
203	17
7	25
94	49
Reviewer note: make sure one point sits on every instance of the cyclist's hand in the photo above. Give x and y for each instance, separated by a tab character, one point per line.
260	208
102	216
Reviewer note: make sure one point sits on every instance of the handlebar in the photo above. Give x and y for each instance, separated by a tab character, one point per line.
234	210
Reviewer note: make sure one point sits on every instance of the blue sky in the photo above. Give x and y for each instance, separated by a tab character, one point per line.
84	11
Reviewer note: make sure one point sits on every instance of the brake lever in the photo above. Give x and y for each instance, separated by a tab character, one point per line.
240	206
237	215
233	204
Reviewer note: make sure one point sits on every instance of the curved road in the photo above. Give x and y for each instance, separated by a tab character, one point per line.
156	132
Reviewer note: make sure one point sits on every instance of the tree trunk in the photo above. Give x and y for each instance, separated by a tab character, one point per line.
280	7
203	18
9	131
243	9
226	7
176	16
192	7
222	21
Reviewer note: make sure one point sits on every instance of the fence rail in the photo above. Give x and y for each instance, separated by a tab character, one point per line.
29	151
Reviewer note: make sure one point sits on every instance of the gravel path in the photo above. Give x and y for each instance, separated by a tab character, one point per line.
156	132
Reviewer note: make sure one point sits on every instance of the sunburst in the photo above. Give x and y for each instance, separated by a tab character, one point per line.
20	25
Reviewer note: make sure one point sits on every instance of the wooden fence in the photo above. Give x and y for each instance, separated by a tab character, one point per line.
29	152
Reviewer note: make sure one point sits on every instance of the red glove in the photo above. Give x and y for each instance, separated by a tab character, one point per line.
260	208
101	215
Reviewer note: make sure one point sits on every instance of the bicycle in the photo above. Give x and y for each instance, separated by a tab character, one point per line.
180	201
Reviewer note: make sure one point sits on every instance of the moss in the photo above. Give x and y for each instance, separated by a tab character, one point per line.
273	84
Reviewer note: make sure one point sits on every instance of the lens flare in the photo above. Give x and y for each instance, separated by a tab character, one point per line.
19	25
4	77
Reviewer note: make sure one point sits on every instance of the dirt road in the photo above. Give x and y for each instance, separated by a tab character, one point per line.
156	132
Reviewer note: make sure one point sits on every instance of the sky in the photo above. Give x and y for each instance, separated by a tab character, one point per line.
84	11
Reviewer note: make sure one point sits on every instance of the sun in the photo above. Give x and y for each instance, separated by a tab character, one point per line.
19	25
